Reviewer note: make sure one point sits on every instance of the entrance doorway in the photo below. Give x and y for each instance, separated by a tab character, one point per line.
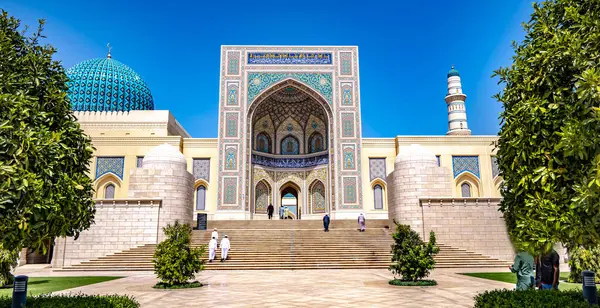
289	199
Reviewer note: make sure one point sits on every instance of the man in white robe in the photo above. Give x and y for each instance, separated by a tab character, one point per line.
225	245
215	235
212	248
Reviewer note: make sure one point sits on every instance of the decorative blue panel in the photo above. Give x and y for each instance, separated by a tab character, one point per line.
139	162
107	85
114	165
320	82
201	169
495	169
462	164
289	146
289	58
290	162
377	168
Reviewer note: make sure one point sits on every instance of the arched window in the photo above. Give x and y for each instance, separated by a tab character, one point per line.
263	143
465	189
201	198
109	191
290	146
316	143
378	192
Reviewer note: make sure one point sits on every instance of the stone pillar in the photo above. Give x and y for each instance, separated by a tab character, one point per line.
164	176
416	174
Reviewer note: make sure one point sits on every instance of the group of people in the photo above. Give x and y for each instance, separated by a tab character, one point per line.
362	222
541	272
284	212
213	245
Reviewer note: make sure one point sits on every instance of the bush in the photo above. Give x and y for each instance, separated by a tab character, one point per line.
581	259
412	259
175	262
531	298
8	260
187	285
410	283
75	301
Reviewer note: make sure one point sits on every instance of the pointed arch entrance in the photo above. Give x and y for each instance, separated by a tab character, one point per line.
298	122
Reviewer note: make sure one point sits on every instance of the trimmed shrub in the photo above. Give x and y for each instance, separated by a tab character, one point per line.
8	260
412	259
175	262
187	285
581	259
410	283
531	298
75	301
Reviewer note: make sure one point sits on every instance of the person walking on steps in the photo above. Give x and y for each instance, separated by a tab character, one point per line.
547	271
281	211
225	245
362	223
326	221
215	235
212	247
270	210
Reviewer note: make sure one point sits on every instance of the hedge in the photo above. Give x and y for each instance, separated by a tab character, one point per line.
74	301
531	298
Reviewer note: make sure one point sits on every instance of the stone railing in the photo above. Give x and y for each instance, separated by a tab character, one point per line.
290	161
451	201
129	202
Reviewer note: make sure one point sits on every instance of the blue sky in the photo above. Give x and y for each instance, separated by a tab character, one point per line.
405	50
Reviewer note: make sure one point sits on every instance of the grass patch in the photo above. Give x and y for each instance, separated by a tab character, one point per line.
187	285
410	283
43	285
512	278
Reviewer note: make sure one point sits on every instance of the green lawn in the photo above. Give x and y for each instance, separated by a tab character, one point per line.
41	285
512	278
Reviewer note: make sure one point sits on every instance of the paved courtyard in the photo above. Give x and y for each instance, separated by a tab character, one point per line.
308	288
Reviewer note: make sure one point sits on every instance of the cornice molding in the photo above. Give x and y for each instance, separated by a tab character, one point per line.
126	141
450	201
194	143
129	202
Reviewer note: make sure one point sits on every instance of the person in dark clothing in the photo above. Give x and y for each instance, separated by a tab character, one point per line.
326	222
270	210
547	271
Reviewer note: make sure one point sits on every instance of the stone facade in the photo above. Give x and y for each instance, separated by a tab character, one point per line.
119	225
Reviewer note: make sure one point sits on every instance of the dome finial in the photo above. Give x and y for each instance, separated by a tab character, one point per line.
109	49
452	66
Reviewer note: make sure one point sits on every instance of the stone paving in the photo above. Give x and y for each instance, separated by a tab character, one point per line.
307	288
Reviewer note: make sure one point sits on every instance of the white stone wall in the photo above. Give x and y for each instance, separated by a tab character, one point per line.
119	225
474	224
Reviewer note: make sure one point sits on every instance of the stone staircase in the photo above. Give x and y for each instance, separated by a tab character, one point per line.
296	245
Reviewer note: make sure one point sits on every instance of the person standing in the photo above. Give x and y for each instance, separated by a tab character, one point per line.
281	212
215	235
212	247
523	267
326	222
286	212
225	245
362	222
270	210
547	271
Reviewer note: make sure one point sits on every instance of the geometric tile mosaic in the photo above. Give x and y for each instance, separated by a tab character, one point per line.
377	168
320	82
462	164
350	189
233	64
114	165
345	63
495	169
201	169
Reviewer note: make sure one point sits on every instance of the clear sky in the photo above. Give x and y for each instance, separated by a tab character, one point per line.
405	50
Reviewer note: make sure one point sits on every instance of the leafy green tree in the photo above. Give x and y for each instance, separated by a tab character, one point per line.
411	257
549	145
175	261
8	260
45	189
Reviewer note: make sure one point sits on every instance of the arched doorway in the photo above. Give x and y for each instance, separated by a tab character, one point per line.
290	198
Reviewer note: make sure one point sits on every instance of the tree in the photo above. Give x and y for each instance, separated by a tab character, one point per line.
411	257
45	189
8	260
549	145
175	261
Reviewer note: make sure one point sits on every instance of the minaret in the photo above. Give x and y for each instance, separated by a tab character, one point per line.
457	112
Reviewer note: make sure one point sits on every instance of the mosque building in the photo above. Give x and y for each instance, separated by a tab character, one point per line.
290	132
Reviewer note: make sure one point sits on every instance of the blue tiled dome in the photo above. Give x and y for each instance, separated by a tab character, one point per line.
107	85
453	72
